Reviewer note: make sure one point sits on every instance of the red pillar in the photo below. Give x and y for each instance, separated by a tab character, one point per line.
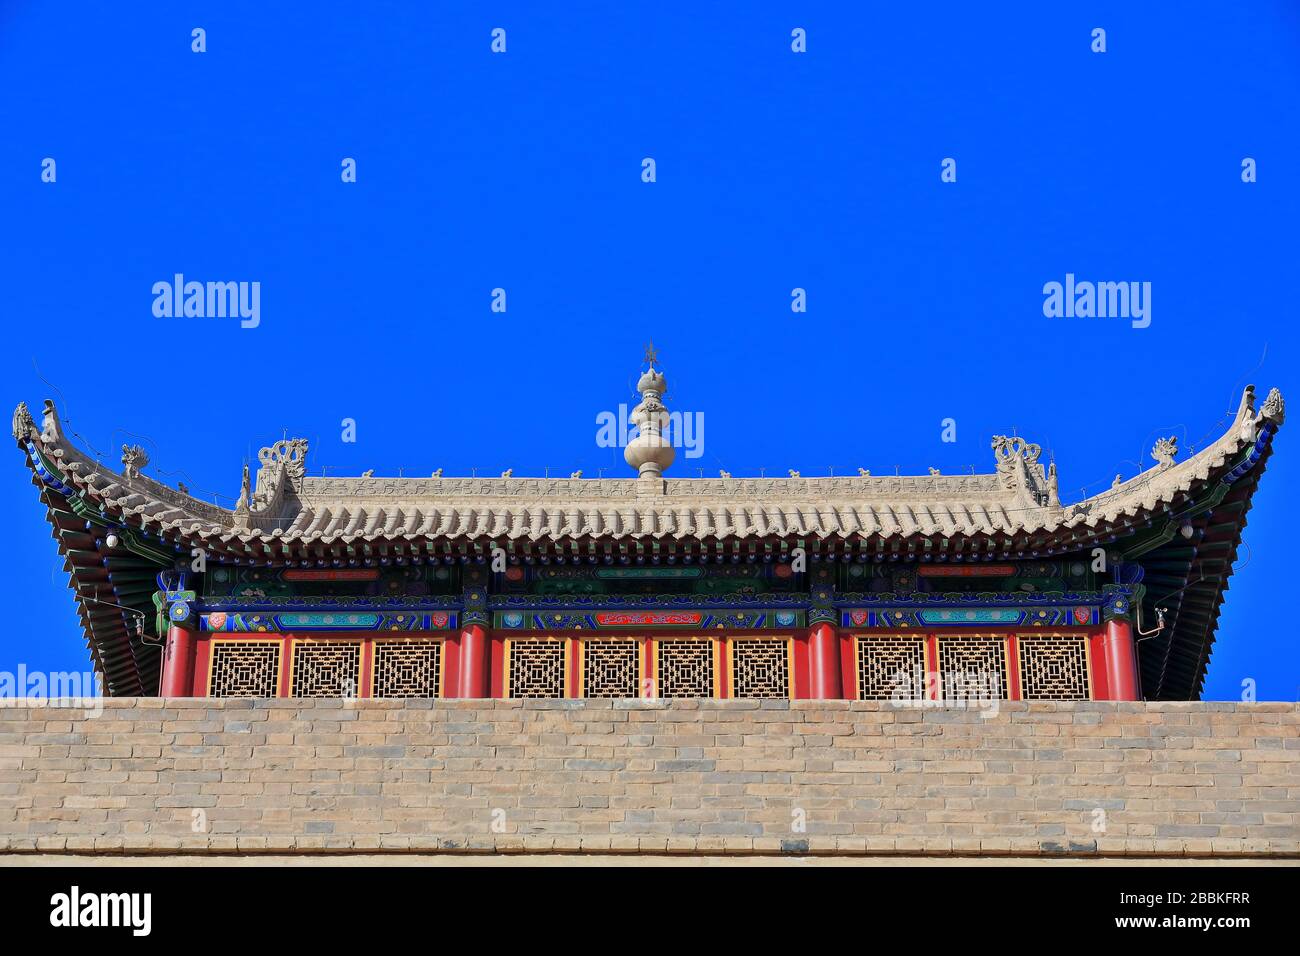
1121	661
474	661
825	677
178	663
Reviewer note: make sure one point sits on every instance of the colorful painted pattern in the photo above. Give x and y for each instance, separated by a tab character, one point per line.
232	622
671	620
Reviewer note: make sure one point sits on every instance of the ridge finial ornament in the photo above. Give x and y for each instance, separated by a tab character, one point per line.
1015	457
245	499
651	451
1007	447
1053	487
651	356
134	458
1164	452
290	453
1274	408
245	490
51	430
24	425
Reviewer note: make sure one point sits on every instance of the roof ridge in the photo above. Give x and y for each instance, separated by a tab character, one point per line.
1019	496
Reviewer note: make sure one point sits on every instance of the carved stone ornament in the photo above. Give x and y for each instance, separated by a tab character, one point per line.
51	431
1008	449
1164	452
291	454
24	425
133	459
1274	408
1014	456
651	451
245	491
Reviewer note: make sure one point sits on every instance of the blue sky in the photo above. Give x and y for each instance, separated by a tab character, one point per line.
775	170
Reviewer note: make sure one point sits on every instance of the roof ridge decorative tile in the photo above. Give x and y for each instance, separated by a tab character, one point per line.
287	504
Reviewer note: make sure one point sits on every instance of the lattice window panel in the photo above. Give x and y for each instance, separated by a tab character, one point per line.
537	668
407	669
326	669
891	667
685	669
972	668
760	668
1053	667
610	668
244	669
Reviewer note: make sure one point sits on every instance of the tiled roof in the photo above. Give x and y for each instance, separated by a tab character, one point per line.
290	507
287	516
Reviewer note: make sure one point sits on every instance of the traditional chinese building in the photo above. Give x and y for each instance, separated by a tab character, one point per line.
928	587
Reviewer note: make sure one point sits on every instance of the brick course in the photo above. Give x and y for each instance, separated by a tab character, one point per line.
157	776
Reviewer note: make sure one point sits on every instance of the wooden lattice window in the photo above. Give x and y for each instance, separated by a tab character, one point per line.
760	667
1053	667
325	669
536	668
685	668
244	669
611	668
407	669
891	667
972	667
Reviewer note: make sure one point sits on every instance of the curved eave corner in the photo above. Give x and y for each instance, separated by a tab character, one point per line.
112	587
1186	570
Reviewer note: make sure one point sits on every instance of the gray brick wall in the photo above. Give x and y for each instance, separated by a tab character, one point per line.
842	777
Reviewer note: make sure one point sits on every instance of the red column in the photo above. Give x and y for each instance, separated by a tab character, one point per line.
474	661
824	676
1121	661
178	663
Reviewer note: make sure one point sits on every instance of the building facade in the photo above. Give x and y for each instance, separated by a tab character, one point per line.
925	588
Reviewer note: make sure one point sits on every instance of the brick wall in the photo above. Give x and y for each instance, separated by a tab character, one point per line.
689	776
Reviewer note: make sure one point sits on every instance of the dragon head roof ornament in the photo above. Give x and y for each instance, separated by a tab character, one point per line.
1165	451
281	469
134	458
24	426
1274	408
1019	470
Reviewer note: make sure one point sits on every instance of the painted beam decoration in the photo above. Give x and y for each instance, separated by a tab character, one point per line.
895	617
295	621
285	583
1023	609
287	600
649	620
